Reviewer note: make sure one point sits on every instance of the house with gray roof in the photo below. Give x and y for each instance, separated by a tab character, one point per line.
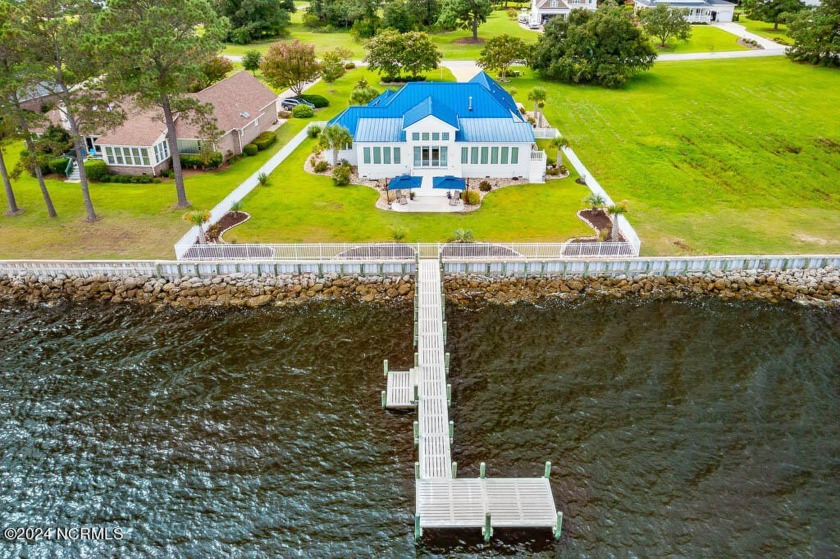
696	11
440	134
543	10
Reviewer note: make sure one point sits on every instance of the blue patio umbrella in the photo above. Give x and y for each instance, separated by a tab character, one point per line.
404	182
449	183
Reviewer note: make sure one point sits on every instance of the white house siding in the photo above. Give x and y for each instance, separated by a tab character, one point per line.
494	151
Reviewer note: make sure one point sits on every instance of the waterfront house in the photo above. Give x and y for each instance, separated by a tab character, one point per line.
543	10
432	130
243	108
696	11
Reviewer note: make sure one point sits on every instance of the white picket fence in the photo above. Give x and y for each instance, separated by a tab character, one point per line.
453	264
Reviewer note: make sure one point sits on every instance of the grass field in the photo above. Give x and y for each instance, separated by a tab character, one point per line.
764	29
703	39
497	24
138	220
309	208
731	156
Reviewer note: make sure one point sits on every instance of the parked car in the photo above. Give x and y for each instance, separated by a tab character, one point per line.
293	102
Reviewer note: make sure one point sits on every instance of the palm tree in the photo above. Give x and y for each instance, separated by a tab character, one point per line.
463	236
537	95
559	143
616	211
236	207
595	201
198	218
336	138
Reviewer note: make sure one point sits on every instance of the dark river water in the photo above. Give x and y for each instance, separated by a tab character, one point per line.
675	429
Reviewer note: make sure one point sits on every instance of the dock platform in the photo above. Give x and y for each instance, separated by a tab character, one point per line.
443	500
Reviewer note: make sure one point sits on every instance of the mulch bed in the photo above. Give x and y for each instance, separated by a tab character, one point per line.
469	41
228	221
598	220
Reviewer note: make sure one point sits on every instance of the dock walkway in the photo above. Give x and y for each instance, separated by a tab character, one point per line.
443	500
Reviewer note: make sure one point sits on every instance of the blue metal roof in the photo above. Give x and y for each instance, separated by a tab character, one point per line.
494	130
379	130
404	182
429	107
481	98
449	183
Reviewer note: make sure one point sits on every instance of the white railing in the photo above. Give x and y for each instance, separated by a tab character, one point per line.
546	133
537	156
405	252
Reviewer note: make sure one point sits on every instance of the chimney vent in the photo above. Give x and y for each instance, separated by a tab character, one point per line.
470	107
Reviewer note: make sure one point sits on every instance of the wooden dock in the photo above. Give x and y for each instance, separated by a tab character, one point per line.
442	500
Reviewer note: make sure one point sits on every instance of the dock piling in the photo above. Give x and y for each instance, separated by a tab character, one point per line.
384	399
547	470
558	527
482	470
487	530
454	470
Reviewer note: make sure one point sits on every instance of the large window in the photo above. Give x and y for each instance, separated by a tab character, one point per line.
484	152
386	155
505	151
474	156
396	156
494	156
514	156
377	156
465	156
161	151
366	152
127	156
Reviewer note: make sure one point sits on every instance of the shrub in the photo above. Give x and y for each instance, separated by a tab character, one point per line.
318	100
106	178
311	21
341	175
471	197
363	28
284	114
95	169
211	160
262	178
552	171
321	166
532	120
313	131
350	66
511	13
166	173
303	111
403	79
485	186
265	140
563	170
57	165
250	150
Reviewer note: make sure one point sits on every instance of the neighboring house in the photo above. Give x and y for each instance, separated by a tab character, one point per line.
696	11
243	108
434	130
543	10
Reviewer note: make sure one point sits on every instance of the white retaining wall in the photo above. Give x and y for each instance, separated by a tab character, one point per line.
669	266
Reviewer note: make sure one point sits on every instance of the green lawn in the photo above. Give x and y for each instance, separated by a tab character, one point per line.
703	39
765	30
497	24
728	156
299	207
138	220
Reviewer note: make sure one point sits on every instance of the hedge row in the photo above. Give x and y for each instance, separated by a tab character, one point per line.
265	140
197	161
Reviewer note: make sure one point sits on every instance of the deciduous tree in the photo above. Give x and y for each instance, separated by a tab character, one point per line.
664	23
252	60
363	93
816	35
332	64
466	14
251	20
155	49
501	52
772	11
213	70
393	53
290	65
601	47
